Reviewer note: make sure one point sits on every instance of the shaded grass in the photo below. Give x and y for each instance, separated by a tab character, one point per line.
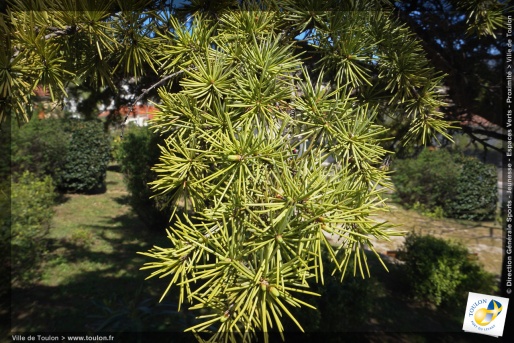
92	265
395	317
392	317
91	257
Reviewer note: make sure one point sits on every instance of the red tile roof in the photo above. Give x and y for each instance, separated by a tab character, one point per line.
137	111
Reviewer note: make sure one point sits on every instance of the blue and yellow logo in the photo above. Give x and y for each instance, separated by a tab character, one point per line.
485	316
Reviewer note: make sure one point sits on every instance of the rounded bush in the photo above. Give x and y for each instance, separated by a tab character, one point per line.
475	192
40	147
74	153
32	201
137	153
439	271
344	306
464	187
87	157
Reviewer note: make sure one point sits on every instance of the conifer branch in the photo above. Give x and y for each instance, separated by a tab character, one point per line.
146	91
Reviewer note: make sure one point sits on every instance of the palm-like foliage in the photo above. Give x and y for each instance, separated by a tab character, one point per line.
275	150
246	140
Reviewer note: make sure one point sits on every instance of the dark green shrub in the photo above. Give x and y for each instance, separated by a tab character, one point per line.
6	148
427	179
5	209
345	306
137	153
463	187
40	147
439	272
32	202
475	192
75	153
137	313
475	279
342	307
5	235
87	157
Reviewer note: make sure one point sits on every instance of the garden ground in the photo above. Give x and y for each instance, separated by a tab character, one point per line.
481	238
90	276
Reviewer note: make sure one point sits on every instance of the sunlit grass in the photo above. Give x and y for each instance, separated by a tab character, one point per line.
91	255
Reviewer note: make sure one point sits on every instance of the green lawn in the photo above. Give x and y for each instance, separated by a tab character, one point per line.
91	258
92	267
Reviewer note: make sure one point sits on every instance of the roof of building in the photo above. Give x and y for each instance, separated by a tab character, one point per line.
137	111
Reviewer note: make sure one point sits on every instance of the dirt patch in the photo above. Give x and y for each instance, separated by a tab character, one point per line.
482	238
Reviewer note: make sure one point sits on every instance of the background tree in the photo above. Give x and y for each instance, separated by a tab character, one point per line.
461	39
274	133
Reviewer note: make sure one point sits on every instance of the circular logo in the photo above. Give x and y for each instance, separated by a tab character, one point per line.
485	316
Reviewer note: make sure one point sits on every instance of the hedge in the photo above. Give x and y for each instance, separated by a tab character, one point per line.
32	200
87	157
40	147
439	271
74	153
463	187
137	153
